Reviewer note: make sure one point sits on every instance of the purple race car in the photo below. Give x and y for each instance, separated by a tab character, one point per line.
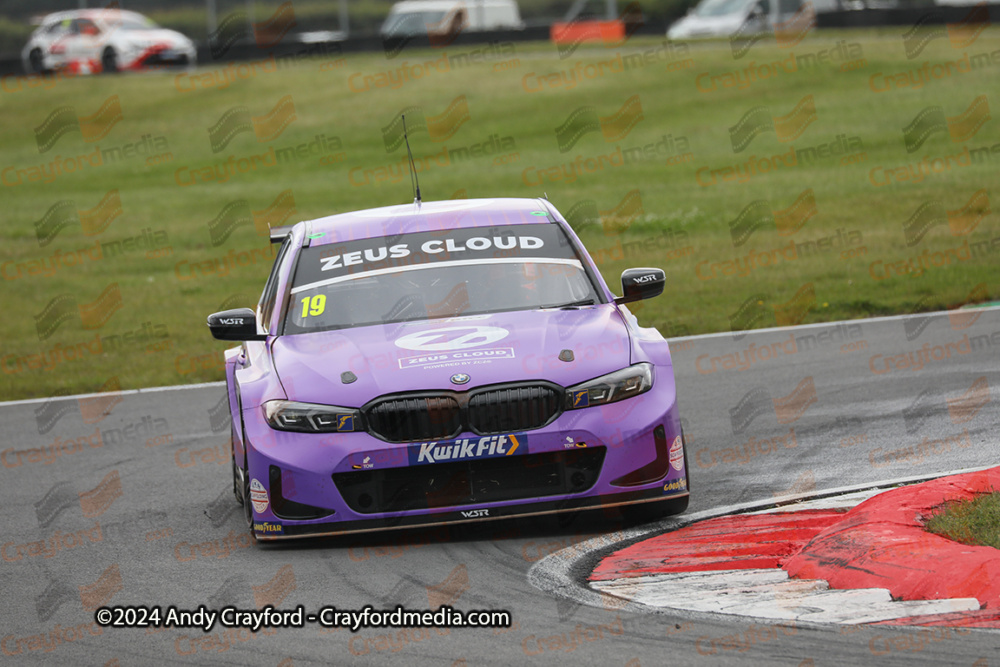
441	363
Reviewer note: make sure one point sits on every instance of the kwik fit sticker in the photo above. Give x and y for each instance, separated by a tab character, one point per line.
464	449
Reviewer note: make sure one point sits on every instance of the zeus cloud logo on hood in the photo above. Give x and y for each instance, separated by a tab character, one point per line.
451	338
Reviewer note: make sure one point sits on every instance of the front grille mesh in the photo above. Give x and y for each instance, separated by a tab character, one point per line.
458	483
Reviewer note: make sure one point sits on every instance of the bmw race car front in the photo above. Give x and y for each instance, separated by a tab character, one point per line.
541	397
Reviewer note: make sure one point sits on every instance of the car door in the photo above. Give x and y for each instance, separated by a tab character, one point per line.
84	42
56	37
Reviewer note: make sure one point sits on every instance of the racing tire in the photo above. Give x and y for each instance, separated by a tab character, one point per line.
109	61
36	62
237	491
247	505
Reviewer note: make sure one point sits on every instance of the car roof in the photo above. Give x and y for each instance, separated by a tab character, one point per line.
93	14
437	5
427	217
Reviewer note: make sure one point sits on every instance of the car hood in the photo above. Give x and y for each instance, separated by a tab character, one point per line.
503	347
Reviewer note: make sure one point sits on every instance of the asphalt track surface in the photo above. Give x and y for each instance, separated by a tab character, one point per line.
134	507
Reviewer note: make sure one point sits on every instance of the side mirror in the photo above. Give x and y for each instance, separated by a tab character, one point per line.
640	284
235	324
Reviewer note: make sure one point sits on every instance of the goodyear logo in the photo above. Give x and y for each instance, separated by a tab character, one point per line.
268	527
345	423
581	399
464	449
676	485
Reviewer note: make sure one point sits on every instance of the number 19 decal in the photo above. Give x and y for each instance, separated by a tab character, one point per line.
314	305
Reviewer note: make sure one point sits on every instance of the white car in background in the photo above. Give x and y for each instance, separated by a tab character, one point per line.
436	18
727	18
103	40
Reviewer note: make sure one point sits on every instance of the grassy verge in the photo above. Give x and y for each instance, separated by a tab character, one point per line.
109	269
975	522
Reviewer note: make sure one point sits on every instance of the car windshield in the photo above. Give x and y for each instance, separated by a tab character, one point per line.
436	274
130	23
411	23
722	7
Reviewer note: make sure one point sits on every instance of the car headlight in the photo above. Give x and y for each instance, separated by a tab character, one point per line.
310	417
617	386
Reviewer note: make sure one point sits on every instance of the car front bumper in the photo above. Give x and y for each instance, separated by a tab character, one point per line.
305	484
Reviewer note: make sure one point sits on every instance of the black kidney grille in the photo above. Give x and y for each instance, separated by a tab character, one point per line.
512	409
421	418
484	411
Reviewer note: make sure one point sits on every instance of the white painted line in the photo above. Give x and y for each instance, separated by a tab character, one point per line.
125	392
771	594
844	502
783	501
800	327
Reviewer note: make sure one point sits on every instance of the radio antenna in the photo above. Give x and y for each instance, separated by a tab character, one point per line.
414	183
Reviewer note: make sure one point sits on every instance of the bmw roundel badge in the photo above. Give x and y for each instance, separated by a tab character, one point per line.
460	378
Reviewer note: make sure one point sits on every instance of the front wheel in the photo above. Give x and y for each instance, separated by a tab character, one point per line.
109	61
247	505
36	62
237	490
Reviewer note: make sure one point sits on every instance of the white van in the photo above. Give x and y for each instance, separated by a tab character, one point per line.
449	17
724	18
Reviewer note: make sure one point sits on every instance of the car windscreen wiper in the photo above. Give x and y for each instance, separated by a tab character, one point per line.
574	304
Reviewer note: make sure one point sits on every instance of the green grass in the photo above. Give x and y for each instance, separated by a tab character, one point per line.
682	227
975	522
